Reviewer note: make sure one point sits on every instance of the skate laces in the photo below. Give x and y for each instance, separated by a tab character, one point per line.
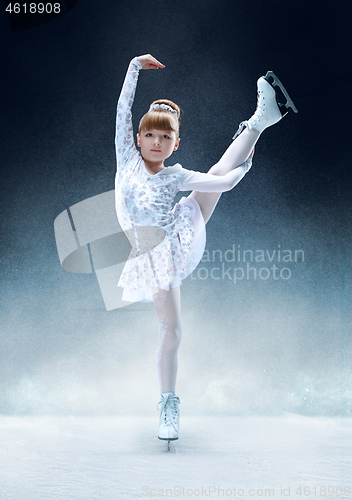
241	127
259	113
168	406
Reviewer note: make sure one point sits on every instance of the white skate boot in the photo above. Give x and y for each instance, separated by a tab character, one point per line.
169	417
269	111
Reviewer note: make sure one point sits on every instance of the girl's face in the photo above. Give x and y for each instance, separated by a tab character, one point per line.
157	145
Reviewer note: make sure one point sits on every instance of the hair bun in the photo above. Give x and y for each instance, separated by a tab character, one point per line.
159	119
172	105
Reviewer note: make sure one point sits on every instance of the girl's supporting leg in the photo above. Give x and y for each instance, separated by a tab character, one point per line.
236	154
168	310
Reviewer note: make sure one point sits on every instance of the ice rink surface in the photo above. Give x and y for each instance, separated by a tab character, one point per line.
108	458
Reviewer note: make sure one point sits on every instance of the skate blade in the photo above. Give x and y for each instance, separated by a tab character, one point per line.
169	441
289	102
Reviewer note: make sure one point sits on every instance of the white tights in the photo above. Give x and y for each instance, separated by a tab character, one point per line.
168	302
168	310
236	154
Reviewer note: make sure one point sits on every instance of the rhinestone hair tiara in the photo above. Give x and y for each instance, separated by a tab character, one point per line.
162	107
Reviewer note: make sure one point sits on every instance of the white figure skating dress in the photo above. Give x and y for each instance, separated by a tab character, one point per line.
167	242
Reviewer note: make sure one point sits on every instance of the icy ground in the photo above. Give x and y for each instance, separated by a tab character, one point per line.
108	458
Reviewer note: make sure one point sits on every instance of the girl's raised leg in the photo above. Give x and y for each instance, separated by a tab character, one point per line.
236	154
268	112
168	310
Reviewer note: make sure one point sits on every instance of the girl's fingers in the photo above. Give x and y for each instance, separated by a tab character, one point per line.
150	62
159	64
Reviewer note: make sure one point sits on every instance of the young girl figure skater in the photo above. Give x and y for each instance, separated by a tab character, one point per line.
168	242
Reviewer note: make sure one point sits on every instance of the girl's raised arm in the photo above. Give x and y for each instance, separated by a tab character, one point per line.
124	141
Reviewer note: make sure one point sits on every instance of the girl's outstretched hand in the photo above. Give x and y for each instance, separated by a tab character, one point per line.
149	62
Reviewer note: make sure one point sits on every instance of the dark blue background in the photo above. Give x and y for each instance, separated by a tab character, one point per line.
60	83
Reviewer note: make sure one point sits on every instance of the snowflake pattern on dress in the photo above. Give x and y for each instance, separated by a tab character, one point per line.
161	235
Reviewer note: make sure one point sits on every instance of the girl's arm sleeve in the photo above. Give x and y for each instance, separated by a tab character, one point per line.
124	142
209	183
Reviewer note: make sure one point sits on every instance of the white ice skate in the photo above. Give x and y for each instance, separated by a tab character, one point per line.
269	111
169	417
